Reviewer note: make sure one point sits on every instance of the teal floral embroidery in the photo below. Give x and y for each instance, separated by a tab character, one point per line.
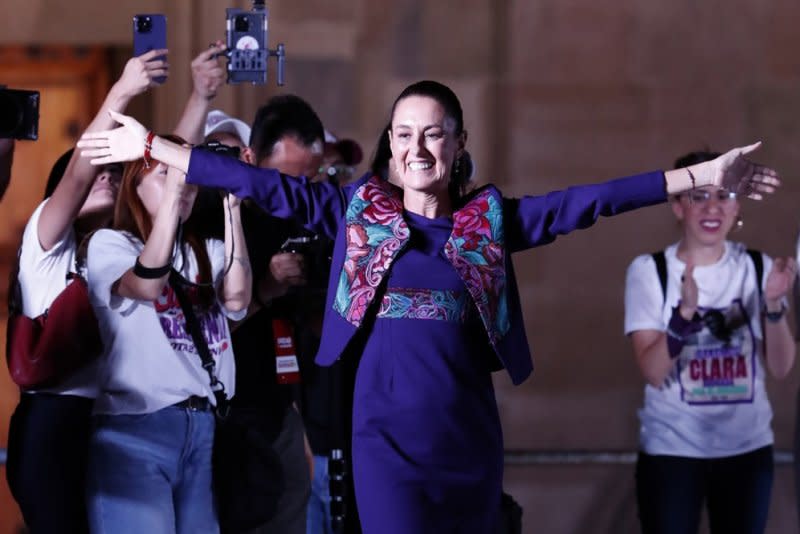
476	250
442	305
375	235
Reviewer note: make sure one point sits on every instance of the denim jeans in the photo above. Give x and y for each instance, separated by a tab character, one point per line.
319	505
152	473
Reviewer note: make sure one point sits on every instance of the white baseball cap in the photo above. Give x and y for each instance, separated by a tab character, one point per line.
219	121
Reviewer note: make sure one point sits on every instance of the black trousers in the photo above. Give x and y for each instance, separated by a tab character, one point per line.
48	441
671	490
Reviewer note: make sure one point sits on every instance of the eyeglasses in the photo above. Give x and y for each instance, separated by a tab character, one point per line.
701	196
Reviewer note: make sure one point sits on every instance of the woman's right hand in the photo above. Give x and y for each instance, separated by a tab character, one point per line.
141	72
735	172
688	304
125	143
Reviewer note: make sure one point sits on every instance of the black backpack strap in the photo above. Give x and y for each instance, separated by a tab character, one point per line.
193	328
758	263
661	269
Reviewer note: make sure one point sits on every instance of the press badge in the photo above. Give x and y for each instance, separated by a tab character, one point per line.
287	370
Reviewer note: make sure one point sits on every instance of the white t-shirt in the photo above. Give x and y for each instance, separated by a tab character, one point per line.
714	402
150	361
42	277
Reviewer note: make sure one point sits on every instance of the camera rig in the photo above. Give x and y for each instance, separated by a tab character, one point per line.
246	36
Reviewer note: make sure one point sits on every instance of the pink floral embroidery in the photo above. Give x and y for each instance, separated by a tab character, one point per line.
476	250
375	233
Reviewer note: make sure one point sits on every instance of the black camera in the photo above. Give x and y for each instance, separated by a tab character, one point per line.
220	148
317	253
246	41
19	114
299	245
337	486
241	23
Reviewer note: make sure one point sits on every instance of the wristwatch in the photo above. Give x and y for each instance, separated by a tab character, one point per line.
775	316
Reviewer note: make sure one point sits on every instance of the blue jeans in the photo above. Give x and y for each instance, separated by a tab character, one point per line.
319	504
152	473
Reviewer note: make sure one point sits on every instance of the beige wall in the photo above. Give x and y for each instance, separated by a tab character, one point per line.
555	92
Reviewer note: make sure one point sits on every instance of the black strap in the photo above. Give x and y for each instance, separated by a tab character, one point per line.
193	328
758	263
661	269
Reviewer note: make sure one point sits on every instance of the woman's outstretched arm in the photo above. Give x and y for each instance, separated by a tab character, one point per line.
319	206
537	220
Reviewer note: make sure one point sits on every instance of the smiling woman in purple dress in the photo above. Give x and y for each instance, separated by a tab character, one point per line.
423	291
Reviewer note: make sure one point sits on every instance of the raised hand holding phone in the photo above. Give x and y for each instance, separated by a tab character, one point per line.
150	33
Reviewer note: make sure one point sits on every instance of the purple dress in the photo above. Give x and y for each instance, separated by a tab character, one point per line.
427	444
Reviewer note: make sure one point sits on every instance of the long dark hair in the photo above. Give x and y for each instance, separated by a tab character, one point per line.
131	216
461	172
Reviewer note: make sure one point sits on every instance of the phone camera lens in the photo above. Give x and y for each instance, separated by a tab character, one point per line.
242	23
144	24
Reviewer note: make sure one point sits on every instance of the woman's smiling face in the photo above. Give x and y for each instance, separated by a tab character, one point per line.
424	145
707	214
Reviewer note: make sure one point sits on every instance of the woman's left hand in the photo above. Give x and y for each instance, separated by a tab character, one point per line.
734	172
125	143
780	279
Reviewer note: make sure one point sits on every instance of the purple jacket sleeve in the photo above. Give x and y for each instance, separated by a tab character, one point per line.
317	206
537	220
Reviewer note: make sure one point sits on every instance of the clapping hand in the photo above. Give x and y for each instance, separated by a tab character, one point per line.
780	280
688	304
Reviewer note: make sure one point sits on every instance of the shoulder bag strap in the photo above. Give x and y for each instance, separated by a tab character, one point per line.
758	263
193	328
661	269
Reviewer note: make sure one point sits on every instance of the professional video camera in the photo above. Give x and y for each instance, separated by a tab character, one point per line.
19	114
246	39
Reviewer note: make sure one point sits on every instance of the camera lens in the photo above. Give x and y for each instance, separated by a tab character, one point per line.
242	23
11	113
144	24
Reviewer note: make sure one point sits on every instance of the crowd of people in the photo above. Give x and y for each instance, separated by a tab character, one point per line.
356	322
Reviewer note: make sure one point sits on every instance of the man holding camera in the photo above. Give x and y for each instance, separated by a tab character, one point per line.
286	135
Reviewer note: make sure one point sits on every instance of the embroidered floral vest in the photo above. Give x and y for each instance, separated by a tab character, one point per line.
376	233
